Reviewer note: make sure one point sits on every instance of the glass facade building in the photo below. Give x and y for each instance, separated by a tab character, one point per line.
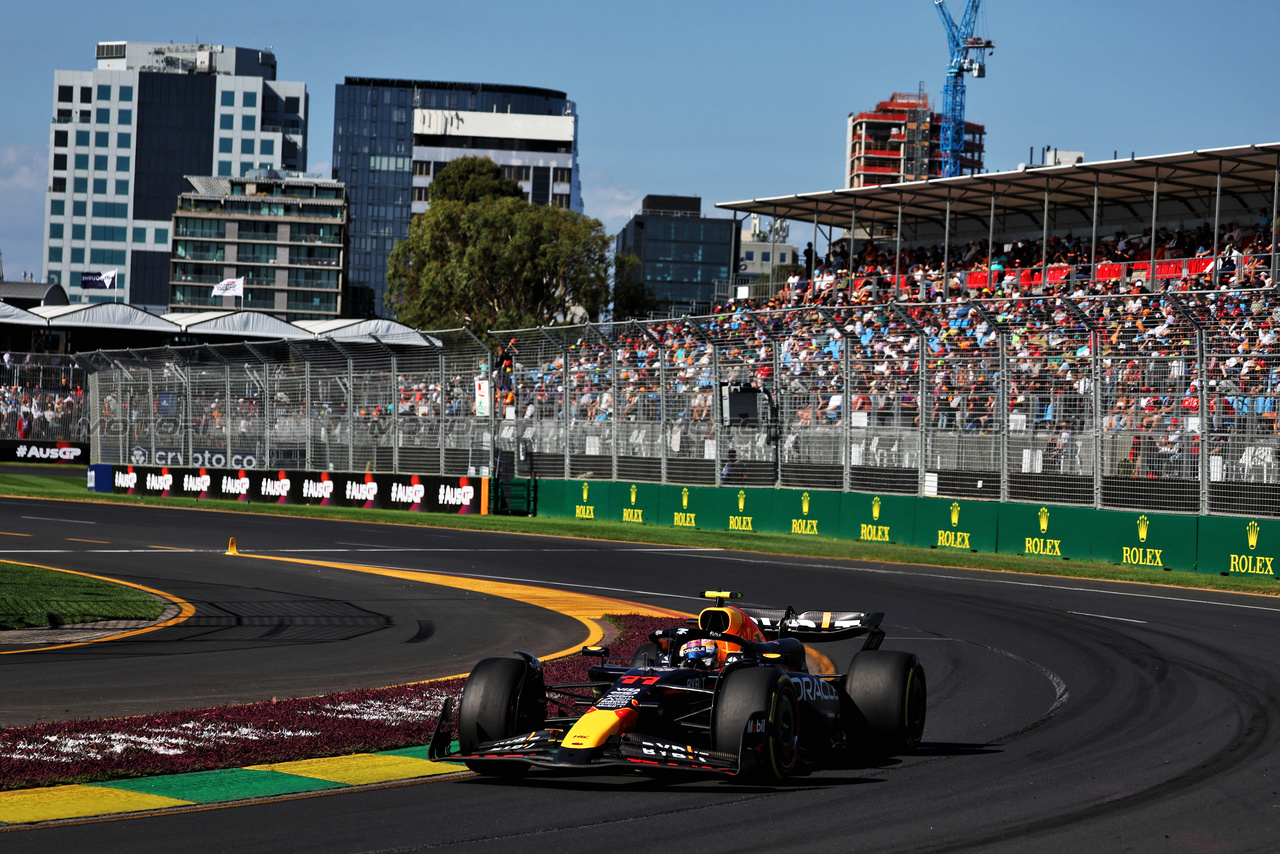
124	136
390	137
681	253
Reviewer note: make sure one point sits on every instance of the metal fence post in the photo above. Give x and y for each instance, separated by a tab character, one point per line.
309	451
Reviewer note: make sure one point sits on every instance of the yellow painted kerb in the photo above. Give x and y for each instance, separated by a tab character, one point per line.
586	608
63	802
185	611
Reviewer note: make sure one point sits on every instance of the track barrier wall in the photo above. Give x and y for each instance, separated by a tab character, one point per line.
1205	544
409	492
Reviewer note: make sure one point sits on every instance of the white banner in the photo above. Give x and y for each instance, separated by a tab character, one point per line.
229	288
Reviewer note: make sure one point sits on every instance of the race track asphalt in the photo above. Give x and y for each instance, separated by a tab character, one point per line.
1064	715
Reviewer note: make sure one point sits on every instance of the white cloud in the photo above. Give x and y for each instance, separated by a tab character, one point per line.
613	205
23	173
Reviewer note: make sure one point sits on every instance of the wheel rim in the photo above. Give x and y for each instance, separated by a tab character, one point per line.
785	740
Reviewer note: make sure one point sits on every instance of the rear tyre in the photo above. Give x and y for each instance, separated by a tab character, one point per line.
754	689
502	697
889	698
646	655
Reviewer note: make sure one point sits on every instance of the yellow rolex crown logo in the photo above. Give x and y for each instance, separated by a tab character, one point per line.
585	486
875	509
684	498
1044	519
955	513
1143	524
1253	535
742	499
633	493
804	504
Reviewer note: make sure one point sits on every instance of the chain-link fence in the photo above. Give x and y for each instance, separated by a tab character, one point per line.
42	398
1162	402
384	405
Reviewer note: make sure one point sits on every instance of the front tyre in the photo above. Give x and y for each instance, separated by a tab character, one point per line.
889	697
502	697
745	692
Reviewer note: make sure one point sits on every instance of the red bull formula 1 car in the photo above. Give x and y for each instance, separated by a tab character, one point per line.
731	695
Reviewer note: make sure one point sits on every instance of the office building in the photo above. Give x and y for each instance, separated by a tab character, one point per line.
125	134
900	141
391	137
682	254
284	234
762	249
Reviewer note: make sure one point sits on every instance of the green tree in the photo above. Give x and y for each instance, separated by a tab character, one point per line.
472	179
498	263
631	297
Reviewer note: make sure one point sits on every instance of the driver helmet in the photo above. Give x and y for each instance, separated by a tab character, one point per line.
699	654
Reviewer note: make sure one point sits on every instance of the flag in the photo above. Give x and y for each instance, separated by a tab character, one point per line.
106	279
229	288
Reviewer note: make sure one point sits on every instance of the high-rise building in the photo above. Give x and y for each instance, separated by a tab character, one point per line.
391	137
125	134
681	253
900	140
284	234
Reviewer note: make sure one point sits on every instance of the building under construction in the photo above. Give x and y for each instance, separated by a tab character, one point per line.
901	141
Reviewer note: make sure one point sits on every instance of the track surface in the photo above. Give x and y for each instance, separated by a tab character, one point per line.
1064	715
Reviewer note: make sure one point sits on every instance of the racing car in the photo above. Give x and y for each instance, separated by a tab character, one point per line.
728	694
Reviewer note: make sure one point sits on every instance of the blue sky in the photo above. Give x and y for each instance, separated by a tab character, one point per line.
726	100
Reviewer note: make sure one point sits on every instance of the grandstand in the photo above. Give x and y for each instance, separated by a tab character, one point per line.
1050	368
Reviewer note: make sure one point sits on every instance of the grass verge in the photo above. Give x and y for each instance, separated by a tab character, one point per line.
71	489
31	597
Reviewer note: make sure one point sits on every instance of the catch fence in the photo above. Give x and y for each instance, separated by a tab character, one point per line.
1142	401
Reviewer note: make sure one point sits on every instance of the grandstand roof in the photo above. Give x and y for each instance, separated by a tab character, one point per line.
102	315
239	323
344	327
1182	177
20	316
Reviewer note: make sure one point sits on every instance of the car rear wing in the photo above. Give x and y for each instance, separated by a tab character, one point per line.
816	626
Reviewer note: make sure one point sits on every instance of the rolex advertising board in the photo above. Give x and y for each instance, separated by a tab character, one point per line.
808	512
1050	531
878	518
956	524
1147	540
1239	545
635	503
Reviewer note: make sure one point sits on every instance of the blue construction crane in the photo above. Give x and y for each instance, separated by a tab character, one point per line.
962	43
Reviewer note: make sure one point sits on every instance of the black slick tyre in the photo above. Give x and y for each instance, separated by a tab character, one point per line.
755	689
889	697
498	701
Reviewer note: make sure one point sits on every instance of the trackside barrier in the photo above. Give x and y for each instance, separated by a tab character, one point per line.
410	492
1205	544
1239	546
